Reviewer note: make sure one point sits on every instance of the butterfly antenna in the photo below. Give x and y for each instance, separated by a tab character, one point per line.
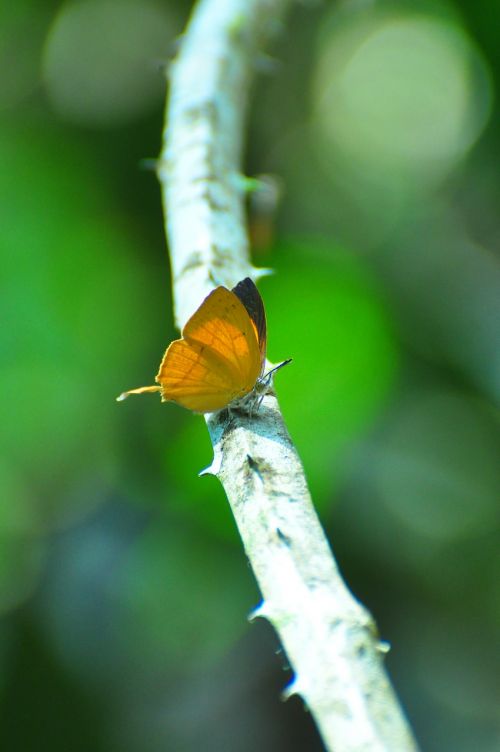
141	390
268	377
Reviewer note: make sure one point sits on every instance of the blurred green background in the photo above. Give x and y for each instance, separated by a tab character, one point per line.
123	587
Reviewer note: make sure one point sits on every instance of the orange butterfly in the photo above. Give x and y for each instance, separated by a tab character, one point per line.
220	358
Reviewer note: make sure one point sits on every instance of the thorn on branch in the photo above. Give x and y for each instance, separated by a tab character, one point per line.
254	466
383	647
291	689
247	184
283	538
163	64
214	467
259	612
149	164
267	64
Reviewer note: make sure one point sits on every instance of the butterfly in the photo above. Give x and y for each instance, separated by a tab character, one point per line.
220	359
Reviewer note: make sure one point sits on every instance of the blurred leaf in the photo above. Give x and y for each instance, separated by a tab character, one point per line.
325	312
76	300
399	97
121	79
21	560
438	470
187	597
200	499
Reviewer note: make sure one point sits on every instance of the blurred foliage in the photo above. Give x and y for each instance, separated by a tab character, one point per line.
123	587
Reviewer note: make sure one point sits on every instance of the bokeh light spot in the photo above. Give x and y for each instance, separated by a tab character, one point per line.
438	471
407	95
101	58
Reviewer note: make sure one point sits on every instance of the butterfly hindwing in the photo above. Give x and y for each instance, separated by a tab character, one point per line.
191	376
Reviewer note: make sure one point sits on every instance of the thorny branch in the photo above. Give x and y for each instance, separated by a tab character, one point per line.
329	638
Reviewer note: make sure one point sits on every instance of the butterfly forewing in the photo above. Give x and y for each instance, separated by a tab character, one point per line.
222	324
218	359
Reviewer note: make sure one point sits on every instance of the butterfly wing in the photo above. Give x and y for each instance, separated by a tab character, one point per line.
218	358
247	292
191	376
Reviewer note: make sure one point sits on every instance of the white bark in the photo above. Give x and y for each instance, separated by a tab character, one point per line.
329	638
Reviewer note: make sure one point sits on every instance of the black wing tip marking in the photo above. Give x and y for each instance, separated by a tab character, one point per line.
248	294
